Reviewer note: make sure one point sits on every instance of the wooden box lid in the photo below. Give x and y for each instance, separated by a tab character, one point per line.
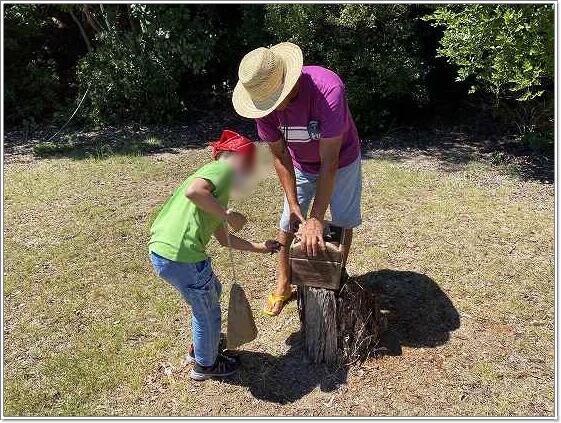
334	238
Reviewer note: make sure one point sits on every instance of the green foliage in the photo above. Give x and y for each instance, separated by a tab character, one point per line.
135	74
507	48
498	158
148	145
31	86
253	33
45	149
163	63
539	142
371	46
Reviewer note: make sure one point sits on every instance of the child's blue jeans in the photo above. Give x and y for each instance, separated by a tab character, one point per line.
201	289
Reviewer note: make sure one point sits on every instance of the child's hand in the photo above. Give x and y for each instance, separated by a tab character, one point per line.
235	220
270	246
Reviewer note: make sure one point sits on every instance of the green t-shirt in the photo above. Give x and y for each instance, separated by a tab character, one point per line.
181	230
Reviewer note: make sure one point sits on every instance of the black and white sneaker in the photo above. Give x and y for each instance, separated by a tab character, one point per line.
223	366
191	349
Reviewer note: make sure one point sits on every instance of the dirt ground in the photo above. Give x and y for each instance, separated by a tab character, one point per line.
459	249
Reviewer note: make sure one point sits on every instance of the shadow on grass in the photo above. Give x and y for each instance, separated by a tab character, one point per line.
285	379
130	139
120	141
420	315
453	150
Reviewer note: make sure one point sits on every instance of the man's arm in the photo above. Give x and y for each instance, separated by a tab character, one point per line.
285	171
312	232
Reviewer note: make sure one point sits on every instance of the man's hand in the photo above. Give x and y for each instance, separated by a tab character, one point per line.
311	236
235	220
295	219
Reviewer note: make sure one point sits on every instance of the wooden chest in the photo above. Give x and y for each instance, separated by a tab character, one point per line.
323	270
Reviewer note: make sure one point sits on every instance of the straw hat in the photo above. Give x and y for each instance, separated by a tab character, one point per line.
266	77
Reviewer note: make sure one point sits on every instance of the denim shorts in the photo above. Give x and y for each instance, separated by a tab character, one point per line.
345	200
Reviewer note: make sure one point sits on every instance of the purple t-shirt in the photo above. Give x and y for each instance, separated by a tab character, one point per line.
321	98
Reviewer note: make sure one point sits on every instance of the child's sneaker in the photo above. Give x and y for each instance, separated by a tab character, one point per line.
191	350
224	366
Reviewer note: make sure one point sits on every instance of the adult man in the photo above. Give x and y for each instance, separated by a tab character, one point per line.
302	112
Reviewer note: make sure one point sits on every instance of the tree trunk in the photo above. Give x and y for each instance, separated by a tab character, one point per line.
340	326
82	31
133	25
91	18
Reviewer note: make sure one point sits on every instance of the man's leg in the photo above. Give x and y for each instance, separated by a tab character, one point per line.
305	190
345	202
283	268
347	245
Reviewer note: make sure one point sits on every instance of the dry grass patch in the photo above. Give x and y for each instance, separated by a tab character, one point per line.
465	267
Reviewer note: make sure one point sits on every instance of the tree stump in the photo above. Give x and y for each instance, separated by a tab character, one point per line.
341	321
340	326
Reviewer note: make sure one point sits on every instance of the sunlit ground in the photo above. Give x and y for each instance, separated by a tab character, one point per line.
90	330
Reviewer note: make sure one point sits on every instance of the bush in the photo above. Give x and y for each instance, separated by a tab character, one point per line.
159	63
539	142
372	47
508	49
135	74
32	95
45	149
31	81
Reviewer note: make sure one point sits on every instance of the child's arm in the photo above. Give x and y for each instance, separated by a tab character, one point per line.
269	246
200	193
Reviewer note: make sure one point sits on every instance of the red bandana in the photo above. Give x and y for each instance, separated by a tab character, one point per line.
232	141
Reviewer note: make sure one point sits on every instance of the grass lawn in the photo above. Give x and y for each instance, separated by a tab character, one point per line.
464	259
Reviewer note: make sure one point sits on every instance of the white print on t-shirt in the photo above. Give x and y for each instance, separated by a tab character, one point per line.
295	133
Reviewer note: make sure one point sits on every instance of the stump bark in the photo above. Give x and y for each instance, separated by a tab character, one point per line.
341	321
341	326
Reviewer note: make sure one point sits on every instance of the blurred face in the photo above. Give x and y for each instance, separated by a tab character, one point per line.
243	168
289	98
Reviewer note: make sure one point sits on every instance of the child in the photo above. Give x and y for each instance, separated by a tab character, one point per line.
180	233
